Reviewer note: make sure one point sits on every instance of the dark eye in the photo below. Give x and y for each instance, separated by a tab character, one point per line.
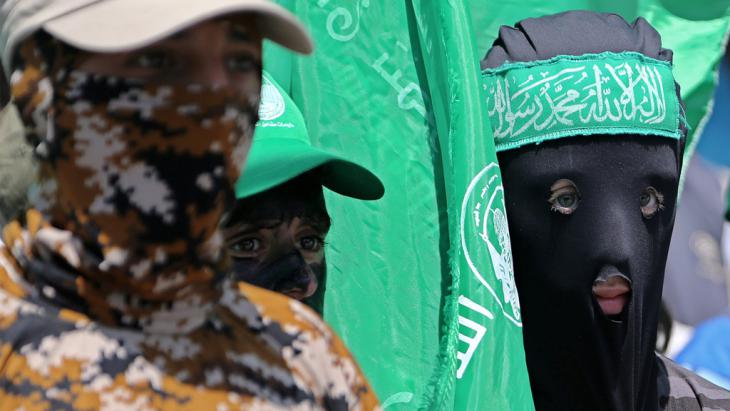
651	202
245	245
311	243
567	200
243	63
152	60
564	197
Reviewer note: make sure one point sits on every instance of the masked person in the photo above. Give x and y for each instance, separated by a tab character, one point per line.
589	131
276	230
114	292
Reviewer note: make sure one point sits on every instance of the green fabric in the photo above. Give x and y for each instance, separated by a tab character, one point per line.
360	94
566	96
482	360
281	151
390	85
412	286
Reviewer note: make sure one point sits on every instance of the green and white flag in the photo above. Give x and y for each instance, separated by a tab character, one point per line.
420	284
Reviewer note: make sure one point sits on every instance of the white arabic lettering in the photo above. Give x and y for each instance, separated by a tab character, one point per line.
409	96
615	92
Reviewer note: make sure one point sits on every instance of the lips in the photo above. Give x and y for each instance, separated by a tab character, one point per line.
612	294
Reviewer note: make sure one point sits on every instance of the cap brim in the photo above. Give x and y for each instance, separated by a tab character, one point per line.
123	25
276	161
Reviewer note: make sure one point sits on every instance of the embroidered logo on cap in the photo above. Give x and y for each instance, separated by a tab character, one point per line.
272	104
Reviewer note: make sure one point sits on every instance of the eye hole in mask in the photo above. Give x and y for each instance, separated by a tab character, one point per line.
154	63
245	247
651	201
151	60
312	243
252	245
564	197
249	247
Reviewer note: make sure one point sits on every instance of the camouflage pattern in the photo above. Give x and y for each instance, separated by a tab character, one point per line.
682	390
113	294
141	171
255	349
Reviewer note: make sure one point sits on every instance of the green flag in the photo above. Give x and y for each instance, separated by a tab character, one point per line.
420	283
388	269
482	311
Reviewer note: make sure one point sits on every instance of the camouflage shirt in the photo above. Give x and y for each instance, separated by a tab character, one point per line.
256	350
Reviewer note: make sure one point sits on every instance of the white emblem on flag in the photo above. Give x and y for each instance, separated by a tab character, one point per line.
470	332
482	216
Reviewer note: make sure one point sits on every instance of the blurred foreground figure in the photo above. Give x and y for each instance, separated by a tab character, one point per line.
114	292
276	230
589	131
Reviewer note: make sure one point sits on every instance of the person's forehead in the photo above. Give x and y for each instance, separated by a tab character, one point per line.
276	207
278	224
284	209
604	156
273	222
240	28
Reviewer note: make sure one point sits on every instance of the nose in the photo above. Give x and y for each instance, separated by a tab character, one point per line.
207	45
214	73
280	269
615	231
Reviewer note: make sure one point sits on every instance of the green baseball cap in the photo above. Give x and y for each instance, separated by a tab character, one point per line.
281	151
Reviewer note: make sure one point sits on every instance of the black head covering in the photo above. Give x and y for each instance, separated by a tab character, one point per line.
577	357
574	33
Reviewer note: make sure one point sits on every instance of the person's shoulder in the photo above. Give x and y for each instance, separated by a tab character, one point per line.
310	348
11	279
275	306
13	288
682	389
23	318
292	324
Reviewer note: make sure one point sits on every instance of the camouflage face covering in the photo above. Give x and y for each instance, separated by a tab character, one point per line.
139	173
113	297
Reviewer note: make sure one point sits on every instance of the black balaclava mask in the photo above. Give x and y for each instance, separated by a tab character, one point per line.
579	358
284	265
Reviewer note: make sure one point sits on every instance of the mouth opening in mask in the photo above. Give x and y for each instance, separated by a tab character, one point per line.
612	293
303	286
